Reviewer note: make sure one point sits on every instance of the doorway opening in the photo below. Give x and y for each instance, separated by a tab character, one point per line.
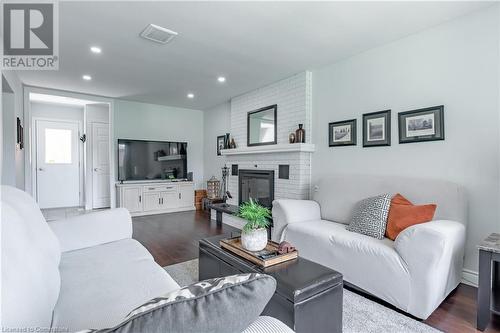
71	154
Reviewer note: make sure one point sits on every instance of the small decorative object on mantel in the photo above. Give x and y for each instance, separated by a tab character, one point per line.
285	247
213	188
226	141
232	144
220	144
291	138
300	134
342	133
269	256
377	129
421	125
254	233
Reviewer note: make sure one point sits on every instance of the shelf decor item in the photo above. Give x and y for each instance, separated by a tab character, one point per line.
377	129
342	133
221	142
254	233
421	125
232	144
269	256
291	138
300	134
213	188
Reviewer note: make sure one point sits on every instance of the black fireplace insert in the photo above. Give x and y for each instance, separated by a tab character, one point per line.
258	185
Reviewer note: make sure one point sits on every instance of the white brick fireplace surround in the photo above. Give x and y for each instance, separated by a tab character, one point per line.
293	97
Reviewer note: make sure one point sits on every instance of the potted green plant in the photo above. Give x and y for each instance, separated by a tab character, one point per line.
254	233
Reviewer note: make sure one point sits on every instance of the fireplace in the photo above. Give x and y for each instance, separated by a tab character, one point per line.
258	185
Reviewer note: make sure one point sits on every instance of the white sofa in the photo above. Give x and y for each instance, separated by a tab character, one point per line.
415	272
83	272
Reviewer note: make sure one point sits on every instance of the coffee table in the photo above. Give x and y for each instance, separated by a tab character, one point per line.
308	296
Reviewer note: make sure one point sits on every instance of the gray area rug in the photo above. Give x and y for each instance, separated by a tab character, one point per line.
360	314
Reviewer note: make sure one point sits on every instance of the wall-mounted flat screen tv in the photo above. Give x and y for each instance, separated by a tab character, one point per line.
150	160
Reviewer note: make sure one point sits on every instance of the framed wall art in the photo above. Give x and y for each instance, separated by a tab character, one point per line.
342	133
221	141
377	129
421	125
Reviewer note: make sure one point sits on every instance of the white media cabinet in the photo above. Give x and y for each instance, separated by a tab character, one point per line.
147	198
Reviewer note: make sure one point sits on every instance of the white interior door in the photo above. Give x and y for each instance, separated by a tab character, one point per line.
57	164
100	165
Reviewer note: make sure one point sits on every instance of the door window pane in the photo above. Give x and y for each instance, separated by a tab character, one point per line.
57	146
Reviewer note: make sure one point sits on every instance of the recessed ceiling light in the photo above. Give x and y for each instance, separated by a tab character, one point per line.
95	49
190	95
221	79
87	77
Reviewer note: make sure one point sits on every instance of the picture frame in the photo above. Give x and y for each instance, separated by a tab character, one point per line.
377	129
262	126
342	133
421	125
221	144
20	134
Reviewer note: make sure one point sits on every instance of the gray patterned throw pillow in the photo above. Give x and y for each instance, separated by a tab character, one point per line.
370	216
228	304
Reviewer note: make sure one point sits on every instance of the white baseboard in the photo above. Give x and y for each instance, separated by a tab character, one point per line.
469	277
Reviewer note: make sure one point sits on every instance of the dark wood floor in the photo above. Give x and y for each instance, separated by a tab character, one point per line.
173	238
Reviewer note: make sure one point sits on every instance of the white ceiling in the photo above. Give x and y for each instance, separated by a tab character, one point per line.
250	43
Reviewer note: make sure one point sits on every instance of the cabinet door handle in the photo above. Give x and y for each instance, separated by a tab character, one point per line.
162	201
179	195
159	201
140	198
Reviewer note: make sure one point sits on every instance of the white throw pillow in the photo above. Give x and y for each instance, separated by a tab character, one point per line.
370	216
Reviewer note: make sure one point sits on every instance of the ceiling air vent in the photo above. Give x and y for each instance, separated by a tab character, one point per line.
158	34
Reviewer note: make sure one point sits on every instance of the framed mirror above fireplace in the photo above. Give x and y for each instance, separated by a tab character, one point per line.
261	126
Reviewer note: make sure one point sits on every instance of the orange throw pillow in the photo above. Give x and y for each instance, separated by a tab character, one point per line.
404	214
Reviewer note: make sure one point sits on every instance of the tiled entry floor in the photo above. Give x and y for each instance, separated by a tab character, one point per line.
52	214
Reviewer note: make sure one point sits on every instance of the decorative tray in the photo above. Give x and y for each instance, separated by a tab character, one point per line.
265	258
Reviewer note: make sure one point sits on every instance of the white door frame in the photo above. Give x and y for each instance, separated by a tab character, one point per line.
29	132
80	155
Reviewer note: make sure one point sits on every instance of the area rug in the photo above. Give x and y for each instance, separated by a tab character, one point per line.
360	314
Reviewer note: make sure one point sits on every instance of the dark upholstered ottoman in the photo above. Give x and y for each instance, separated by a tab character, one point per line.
308	295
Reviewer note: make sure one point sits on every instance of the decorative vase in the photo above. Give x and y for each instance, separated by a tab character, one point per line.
232	145
300	134
291	138
254	240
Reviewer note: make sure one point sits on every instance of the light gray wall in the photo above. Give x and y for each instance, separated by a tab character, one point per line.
9	136
455	64
15	170
143	121
57	111
216	122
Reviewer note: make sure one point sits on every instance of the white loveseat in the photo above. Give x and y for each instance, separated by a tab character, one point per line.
83	272
415	272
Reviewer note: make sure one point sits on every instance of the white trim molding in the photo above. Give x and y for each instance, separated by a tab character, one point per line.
279	148
470	277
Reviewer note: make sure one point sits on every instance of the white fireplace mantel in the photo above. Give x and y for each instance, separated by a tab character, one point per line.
279	148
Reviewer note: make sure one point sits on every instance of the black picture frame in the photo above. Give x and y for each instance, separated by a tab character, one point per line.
221	142
20	134
371	134
266	108
352	124
421	130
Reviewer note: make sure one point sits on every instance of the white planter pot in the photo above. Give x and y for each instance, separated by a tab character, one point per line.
254	240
